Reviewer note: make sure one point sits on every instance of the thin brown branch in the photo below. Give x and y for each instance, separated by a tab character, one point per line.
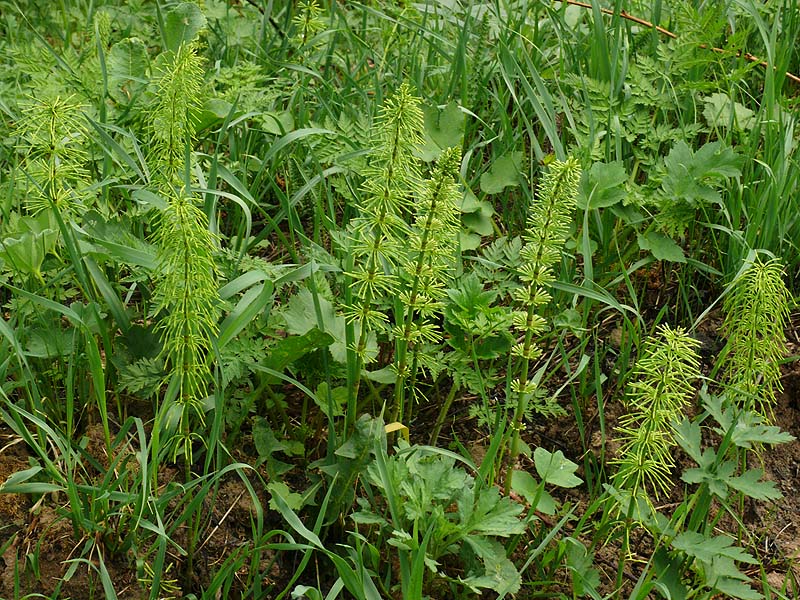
670	34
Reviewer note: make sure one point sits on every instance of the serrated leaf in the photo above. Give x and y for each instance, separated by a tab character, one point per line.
706	549
690	175
661	247
504	172
182	24
491	515
761	434
266	445
554	468
500	575
689	437
338	399
602	186
367	517
751	485
732	588
721	111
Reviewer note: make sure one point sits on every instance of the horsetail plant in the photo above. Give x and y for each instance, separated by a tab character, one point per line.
656	400
392	179
427	271
186	284
546	231
756	311
54	132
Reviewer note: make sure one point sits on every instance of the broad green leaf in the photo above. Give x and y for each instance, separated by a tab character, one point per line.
526	486
500	575
746	437
444	128
554	468
478	222
290	349
661	247
491	515
504	172
386	375
721	111
24	254
476	218
266	445
688	436
300	316
733	588
253	302
182	24
293	499
470	202
127	64
367	517
580	562
469	241
338	397
304	591
667	568
602	186
214	110
691	175
277	123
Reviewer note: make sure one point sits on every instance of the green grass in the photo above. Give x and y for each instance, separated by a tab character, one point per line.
222	267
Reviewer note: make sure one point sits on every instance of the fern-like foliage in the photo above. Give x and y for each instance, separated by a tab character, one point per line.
547	229
656	400
756	311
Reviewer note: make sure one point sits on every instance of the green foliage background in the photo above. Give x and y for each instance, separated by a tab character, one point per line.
277	242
